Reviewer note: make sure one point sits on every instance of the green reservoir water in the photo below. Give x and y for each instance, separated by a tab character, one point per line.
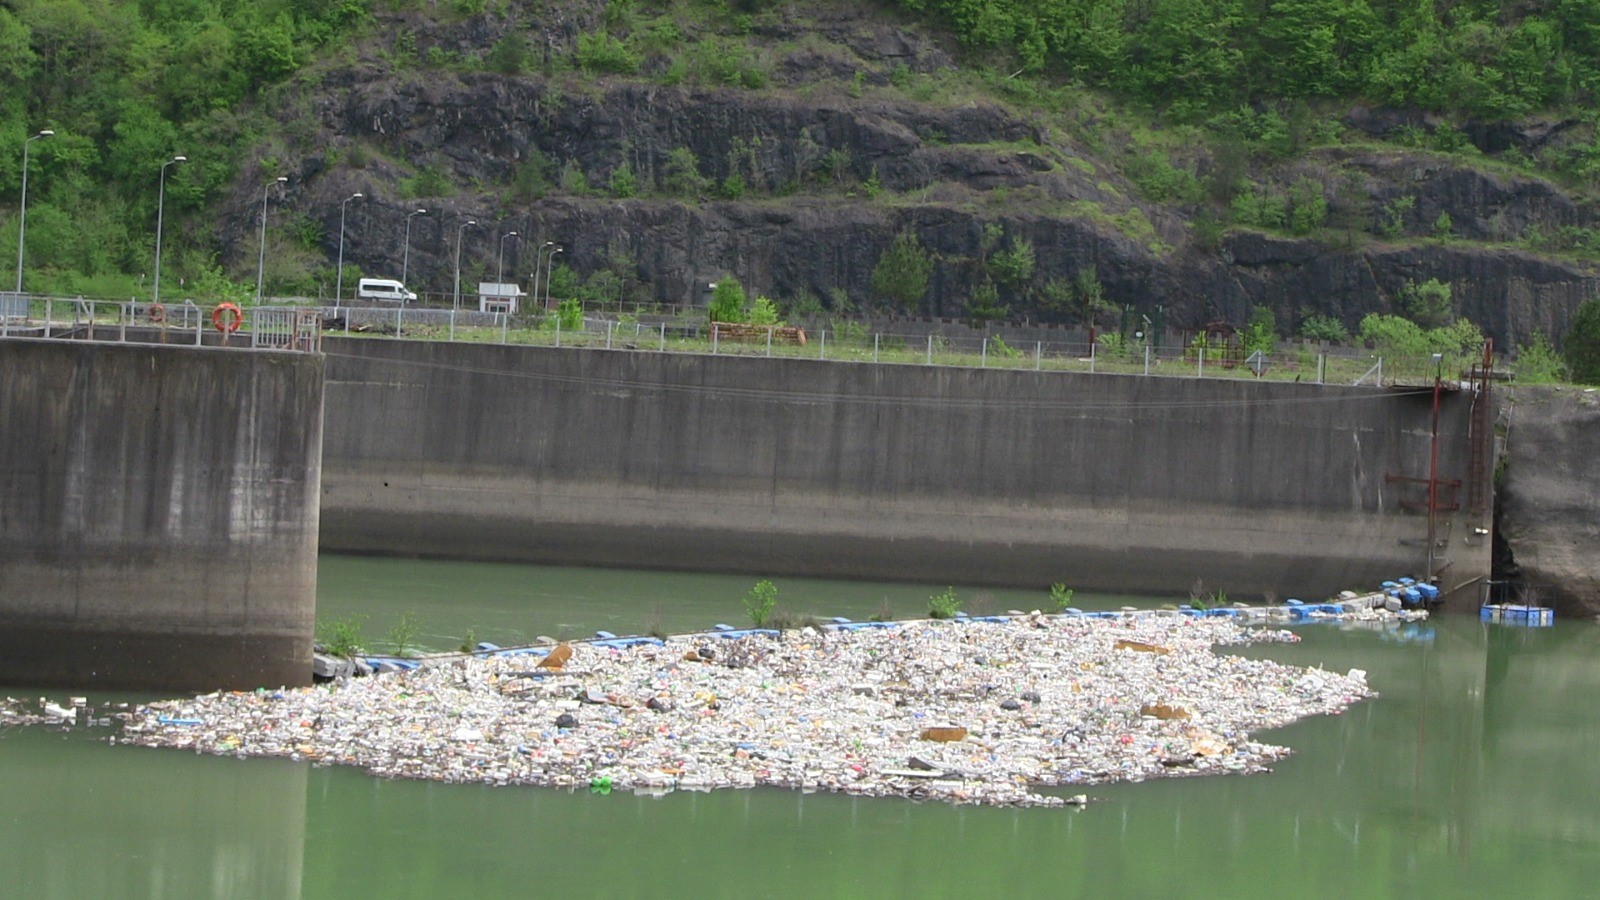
1472	775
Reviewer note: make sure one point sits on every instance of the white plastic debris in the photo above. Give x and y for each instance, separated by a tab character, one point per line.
1006	711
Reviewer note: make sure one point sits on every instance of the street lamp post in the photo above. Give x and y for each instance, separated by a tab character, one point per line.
161	202
547	272
456	297
338	283
261	258
538	265
22	220
500	266
405	255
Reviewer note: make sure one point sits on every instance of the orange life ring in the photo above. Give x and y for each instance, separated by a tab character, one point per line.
226	317
155	312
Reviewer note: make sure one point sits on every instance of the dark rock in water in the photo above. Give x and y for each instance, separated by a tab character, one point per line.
1174	762
1010	705
566	720
706	653
1032	697
659	705
326	668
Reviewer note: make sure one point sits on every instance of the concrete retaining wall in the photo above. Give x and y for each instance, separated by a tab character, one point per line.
158	515
934	474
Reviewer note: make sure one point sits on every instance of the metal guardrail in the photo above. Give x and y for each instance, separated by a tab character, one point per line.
299	328
542	328
178	324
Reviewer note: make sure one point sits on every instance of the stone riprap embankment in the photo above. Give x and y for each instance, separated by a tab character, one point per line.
969	712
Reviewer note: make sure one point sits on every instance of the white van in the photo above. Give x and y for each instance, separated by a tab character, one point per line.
383	289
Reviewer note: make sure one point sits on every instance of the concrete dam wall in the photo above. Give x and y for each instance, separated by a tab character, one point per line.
158	515
932	474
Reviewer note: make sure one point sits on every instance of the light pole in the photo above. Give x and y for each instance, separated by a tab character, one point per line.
405	255
547	271
161	202
338	283
500	267
456	297
261	259
22	220
538	265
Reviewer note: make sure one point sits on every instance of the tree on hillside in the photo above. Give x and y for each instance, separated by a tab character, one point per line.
1261	333
727	301
902	272
1581	346
1428	304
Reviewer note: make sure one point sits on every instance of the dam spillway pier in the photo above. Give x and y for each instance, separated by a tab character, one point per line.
158	514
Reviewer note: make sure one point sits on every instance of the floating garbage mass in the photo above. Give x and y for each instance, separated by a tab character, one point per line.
997	710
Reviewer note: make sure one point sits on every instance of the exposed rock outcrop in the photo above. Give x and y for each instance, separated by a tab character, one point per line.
806	147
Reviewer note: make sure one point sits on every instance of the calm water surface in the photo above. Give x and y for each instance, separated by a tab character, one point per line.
1474	774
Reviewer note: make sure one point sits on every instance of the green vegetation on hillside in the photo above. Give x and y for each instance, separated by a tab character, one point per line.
1489	60
1212	108
125	86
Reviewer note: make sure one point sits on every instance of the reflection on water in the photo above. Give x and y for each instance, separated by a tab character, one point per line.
1470	775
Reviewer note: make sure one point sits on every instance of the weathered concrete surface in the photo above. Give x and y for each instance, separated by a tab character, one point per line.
158	515
1550	493
937	474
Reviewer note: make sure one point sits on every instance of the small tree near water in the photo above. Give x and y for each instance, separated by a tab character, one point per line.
761	601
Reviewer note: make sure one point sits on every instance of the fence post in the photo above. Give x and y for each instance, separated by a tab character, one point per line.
1200	362
1147	359
823	344
930	349
983	355
1092	346
558	328
769	341
714	339
609	323
505	326
1038	355
126	311
663	337
452	323
875	337
49	313
1322	367
399	311
199	326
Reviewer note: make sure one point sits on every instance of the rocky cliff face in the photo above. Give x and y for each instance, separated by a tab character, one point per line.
1549	496
832	174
